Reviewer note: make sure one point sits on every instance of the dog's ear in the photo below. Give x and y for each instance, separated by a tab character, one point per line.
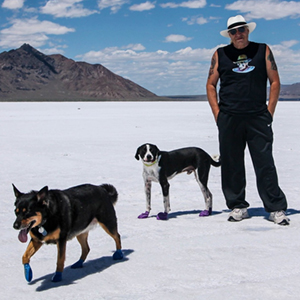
156	149
42	195
17	192
137	153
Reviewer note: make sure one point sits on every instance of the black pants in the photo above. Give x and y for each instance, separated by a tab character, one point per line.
235	132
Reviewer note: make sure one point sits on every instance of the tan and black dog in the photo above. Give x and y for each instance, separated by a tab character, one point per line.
56	216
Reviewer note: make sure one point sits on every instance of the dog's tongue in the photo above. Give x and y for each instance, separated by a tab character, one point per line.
23	236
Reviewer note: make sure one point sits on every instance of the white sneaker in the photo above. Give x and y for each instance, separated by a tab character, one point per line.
238	214
279	217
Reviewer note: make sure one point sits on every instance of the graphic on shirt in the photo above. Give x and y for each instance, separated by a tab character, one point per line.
242	63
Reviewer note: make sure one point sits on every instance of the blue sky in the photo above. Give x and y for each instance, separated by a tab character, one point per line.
164	45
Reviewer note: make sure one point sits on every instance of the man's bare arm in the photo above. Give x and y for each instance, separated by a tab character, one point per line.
211	86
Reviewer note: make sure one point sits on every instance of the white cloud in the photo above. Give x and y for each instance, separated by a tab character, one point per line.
166	69
159	70
31	31
15	41
290	43
186	4
195	20
114	5
112	54
54	50
177	38
66	8
143	6
201	21
169	5
287	61
135	47
13	4
266	9
31	26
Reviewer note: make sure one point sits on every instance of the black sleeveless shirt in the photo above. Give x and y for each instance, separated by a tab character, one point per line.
243	79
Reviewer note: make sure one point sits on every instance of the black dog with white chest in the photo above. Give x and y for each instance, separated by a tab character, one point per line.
160	166
56	216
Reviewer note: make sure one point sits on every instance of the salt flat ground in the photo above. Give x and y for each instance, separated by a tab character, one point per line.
186	257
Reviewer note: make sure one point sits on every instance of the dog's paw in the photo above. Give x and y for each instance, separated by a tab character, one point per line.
144	215
118	255
57	277
78	264
28	272
162	216
205	213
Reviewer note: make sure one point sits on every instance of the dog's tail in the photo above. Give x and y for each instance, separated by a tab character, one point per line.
215	160
111	191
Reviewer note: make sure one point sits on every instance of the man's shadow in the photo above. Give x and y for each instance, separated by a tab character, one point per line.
260	212
71	275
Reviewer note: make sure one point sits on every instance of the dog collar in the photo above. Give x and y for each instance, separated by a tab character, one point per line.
42	231
150	164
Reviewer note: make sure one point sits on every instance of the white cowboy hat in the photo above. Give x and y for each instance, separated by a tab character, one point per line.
236	22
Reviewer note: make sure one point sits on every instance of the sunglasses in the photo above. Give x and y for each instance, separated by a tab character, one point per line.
234	31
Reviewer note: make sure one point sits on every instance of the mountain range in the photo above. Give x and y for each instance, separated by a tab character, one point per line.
290	92
26	74
29	75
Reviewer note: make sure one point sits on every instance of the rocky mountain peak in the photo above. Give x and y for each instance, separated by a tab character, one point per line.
28	74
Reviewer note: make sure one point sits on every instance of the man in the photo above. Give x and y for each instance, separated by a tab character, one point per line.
244	118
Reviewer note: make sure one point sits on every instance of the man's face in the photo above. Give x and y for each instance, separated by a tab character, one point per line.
240	39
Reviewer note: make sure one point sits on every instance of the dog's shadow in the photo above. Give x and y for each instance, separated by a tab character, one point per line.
176	214
70	276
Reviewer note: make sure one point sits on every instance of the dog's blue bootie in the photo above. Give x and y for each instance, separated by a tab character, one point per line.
78	264
162	216
57	277
144	215
205	213
118	255
28	272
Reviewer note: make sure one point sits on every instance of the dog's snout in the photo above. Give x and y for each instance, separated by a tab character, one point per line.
16	225
149	157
